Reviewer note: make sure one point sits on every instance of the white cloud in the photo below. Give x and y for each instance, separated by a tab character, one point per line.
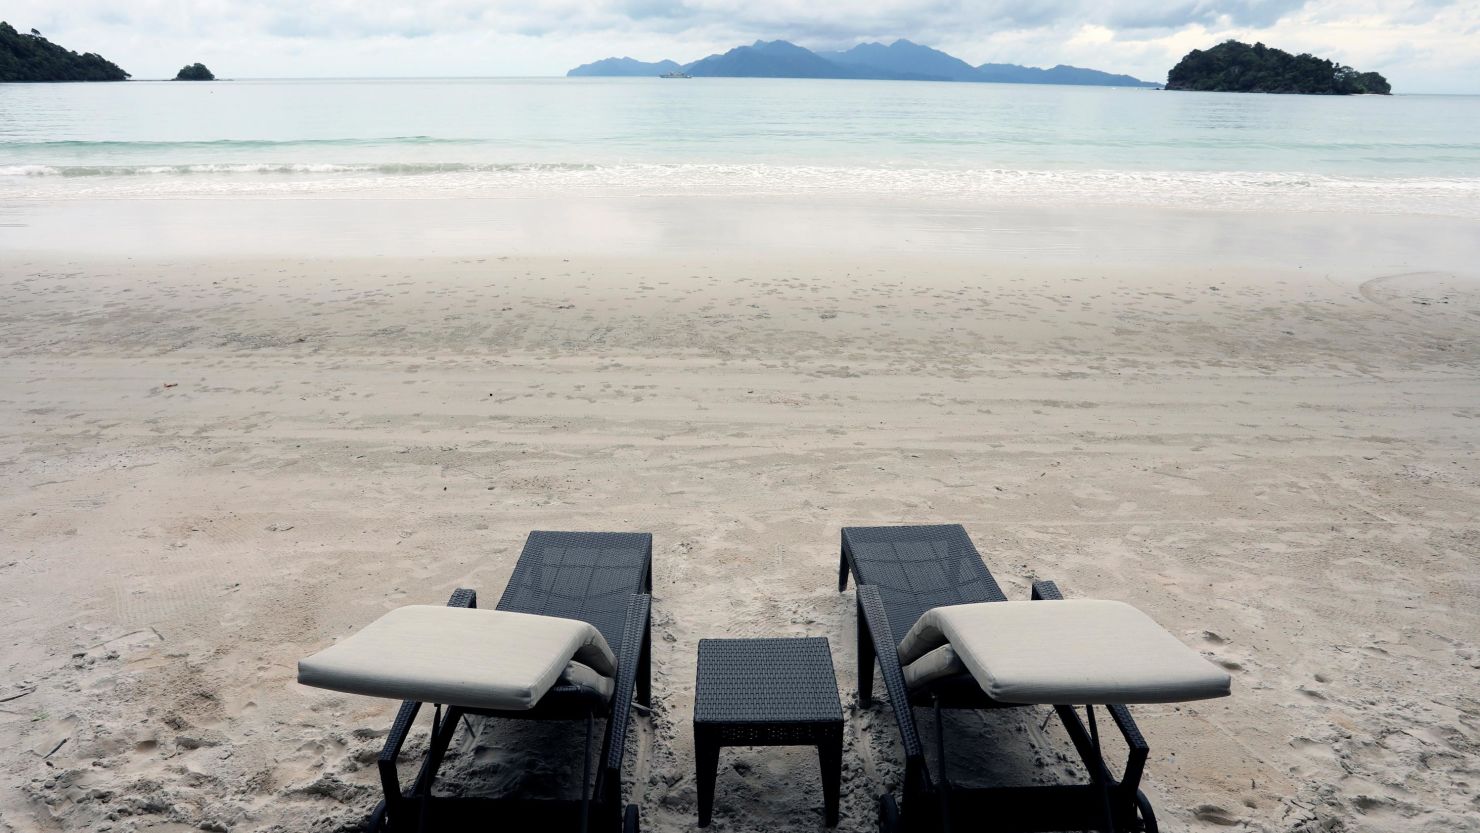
1421	45
1091	35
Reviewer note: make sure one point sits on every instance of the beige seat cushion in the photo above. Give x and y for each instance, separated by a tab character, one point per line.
1073	652
578	673
934	665
481	659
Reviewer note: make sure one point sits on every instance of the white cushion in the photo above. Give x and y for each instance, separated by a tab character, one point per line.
578	673
1073	652
457	656
934	665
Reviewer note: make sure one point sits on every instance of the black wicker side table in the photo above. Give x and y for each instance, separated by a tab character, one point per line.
767	692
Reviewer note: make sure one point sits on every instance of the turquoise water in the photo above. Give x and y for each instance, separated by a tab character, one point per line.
512	137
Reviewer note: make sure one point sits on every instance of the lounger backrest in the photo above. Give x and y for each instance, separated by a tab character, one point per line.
589	576
917	568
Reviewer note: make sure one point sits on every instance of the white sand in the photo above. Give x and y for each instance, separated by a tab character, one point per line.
215	466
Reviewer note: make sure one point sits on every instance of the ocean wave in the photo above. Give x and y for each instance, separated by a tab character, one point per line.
225	144
1458	196
275	168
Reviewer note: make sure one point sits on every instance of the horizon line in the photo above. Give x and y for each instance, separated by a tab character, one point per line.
587	78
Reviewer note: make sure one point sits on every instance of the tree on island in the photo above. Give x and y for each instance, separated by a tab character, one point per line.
1234	67
34	58
194	72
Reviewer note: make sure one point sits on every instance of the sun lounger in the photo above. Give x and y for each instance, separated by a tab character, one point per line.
569	640
946	637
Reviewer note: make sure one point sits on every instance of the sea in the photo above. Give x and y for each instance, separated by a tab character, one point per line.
980	144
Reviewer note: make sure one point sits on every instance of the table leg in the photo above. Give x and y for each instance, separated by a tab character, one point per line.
830	755
706	757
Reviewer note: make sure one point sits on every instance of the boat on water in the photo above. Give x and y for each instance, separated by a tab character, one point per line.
675	74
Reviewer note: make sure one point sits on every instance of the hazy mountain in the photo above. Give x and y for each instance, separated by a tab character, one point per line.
899	61
905	60
1061	74
624	67
768	59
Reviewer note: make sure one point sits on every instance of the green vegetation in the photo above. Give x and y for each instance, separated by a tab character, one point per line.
194	72
1233	67
31	57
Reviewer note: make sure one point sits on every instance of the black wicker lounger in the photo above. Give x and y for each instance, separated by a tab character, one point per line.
901	573
602	579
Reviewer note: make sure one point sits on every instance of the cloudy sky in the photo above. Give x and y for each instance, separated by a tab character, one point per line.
1420	45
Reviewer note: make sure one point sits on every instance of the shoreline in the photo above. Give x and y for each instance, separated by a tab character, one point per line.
901	184
1339	244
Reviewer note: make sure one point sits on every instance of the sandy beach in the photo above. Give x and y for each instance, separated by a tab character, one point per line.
219	463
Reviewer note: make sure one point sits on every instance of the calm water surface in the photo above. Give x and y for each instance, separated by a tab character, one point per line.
905	140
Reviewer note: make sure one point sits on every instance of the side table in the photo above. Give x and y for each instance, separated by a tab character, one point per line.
767	692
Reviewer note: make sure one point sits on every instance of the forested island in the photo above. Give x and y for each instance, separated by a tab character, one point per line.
31	57
195	72
1234	67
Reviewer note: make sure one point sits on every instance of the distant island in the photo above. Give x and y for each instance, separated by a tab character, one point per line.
31	57
1234	67
898	61
625	68
194	72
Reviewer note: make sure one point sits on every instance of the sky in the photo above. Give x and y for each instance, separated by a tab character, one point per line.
1422	46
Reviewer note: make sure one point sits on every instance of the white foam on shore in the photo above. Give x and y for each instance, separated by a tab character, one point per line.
1224	190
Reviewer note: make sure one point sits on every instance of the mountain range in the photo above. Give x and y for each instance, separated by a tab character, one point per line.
898	61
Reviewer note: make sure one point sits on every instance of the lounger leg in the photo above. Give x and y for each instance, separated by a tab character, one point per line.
1097	773
842	571
443	727
945	780
586	777
393	806
706	758
395	810
1135	763
830	756
916	789
645	668
1122	796
866	657
425	806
